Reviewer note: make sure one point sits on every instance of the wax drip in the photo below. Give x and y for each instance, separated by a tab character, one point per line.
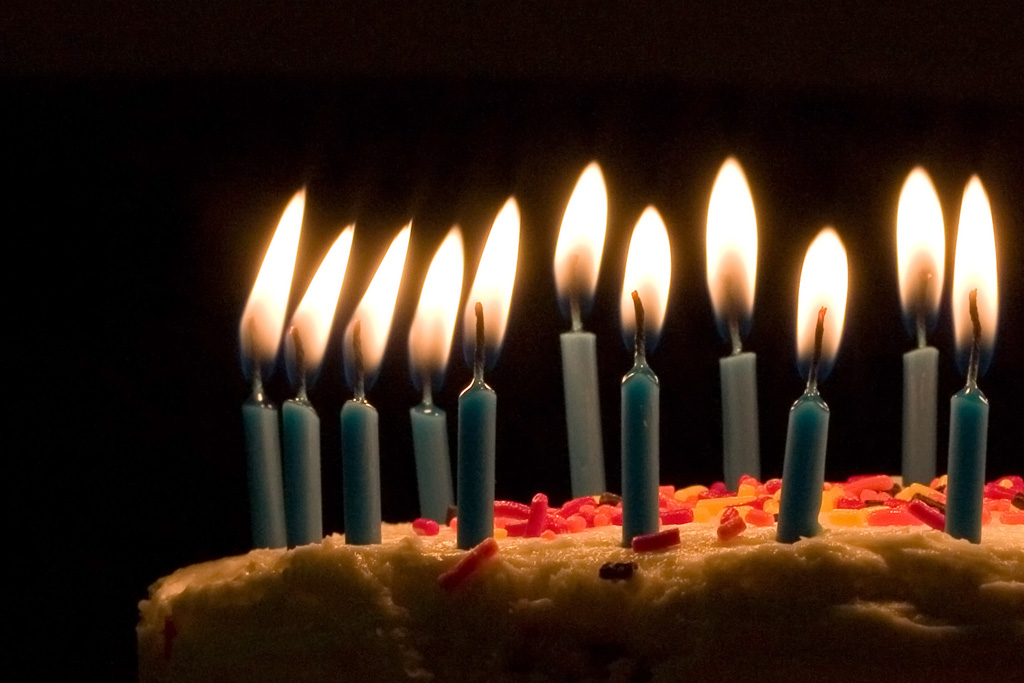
819	332
734	336
257	371
300	362
972	364
478	355
357	361
574	294
922	305
640	341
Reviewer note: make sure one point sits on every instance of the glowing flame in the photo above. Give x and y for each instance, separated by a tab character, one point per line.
648	272
823	282
581	240
492	287
732	249
375	311
920	251
312	320
430	337
263	318
975	268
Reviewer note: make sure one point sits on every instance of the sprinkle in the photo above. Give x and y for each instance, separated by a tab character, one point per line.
425	527
1012	517
931	502
656	541
874	482
538	515
601	519
677	516
731	525
616	571
555	523
608	498
772	485
759	518
1018	501
451	513
453	523
667	491
576	524
887	516
510	508
500	533
468	565
927	514
548	535
571	507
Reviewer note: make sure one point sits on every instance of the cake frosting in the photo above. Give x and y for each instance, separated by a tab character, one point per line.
851	602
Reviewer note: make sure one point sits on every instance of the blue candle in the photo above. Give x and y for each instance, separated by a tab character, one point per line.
365	340
306	343
823	287
430	340
478	417
433	467
732	270
304	509
645	287
263	457
921	253
640	430
260	337
577	262
975	317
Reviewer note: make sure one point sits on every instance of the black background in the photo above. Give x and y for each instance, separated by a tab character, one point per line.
150	152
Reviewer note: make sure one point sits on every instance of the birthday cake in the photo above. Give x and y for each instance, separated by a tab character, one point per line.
555	597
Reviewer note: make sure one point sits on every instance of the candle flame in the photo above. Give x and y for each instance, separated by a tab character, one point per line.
649	272
975	268
920	252
430	337
731	250
375	311
312	320
492	287
263	318
581	241
823	283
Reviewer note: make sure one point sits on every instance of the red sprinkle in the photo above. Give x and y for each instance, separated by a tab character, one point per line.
656	541
571	507
759	517
516	529
772	485
887	516
510	508
425	527
927	514
849	503
468	565
875	482
553	522
682	515
1012	517
538	515
731	524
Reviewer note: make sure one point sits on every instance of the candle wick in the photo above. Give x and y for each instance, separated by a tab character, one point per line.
428	390
734	336
257	372
478	356
300	361
922	304
574	294
357	356
972	364
640	342
819	332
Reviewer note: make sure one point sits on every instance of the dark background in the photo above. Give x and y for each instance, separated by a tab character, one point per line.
151	150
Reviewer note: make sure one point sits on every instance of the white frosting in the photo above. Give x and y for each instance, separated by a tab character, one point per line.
850	602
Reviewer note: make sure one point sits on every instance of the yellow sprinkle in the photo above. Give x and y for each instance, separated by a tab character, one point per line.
689	492
908	493
500	533
716	505
1006	483
844	517
701	514
746	490
771	507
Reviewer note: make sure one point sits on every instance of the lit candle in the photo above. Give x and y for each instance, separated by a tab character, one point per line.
260	336
975	316
305	345
430	340
484	328
821	308
644	299
577	261
732	271
365	339
921	256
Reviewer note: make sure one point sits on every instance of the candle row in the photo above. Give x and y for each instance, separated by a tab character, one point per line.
285	501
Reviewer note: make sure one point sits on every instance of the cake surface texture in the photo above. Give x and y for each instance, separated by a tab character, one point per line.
907	602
